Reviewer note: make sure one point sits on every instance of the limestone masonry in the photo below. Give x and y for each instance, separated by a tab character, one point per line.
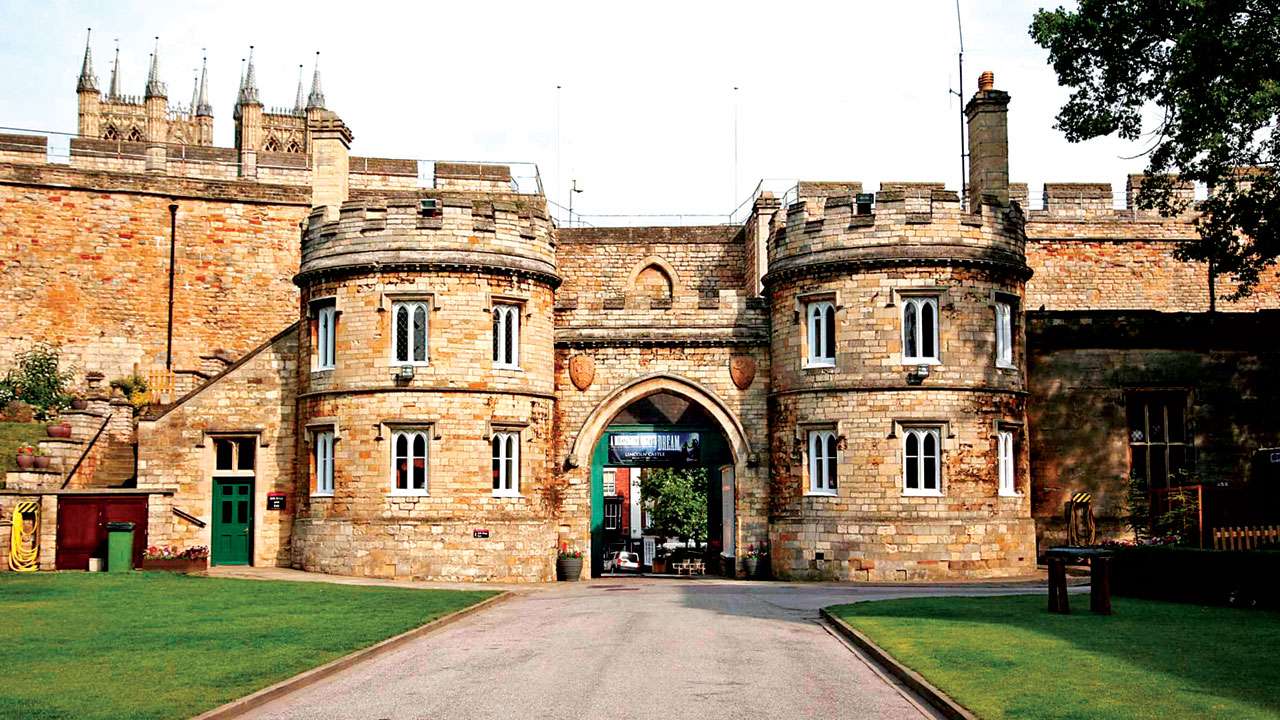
388	368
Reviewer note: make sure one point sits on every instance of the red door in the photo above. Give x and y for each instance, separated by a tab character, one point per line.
82	527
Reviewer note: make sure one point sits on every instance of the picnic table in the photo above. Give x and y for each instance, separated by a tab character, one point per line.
1099	562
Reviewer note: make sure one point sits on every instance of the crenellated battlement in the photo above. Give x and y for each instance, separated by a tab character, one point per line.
1098	201
502	232
907	223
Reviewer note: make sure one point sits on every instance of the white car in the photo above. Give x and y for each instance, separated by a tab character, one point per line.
620	561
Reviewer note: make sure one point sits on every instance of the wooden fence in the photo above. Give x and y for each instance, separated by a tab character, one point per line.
1245	538
159	386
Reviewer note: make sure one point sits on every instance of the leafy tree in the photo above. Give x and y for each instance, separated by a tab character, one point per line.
37	379
1211	70
677	501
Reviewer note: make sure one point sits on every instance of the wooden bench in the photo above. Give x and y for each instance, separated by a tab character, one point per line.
1245	538
1099	562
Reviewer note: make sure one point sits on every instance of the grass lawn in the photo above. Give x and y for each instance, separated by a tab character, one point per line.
161	645
12	435
1006	657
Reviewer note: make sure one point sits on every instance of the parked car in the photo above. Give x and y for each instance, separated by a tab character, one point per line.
622	562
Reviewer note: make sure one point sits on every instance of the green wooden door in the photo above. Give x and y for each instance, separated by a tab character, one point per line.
232	521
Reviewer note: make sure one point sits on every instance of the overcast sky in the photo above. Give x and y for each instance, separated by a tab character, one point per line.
826	91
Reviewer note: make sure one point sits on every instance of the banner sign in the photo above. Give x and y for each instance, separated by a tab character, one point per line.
654	448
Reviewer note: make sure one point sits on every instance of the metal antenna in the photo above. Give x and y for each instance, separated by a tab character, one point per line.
572	191
557	185
960	94
734	199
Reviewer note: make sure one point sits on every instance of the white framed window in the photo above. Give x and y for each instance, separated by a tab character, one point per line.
822	462
409	455
1005	462
610	482
322	449
922	461
613	514
506	336
409	332
920	330
506	464
1004	335
326	329
234	456
821	334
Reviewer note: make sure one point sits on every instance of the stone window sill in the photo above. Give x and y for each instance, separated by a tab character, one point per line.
822	494
508	496
811	365
408	493
922	493
321	496
921	361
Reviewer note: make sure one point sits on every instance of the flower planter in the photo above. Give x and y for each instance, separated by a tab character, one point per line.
42	462
26	461
60	430
660	565
752	566
181	565
568	569
79	404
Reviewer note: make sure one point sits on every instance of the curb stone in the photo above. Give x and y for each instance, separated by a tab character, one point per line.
912	679
254	700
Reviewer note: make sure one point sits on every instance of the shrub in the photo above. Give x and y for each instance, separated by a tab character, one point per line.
133	387
37	379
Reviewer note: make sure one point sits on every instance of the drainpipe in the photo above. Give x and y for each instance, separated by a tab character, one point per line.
173	241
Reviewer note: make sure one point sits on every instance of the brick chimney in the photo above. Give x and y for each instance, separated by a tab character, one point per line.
330	160
988	116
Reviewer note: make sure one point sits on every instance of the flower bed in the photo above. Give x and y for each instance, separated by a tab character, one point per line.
174	559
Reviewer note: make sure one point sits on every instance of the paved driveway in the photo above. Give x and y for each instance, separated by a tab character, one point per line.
633	648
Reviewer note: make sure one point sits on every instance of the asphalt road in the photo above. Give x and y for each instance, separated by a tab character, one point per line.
633	648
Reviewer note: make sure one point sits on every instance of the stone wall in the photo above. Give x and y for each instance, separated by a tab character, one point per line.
86	255
255	398
1083	366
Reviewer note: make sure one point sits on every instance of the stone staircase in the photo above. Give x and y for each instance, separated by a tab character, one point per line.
99	453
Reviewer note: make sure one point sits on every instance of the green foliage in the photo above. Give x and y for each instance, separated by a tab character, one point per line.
156	645
1006	657
37	379
1178	523
1211	70
133	387
677	501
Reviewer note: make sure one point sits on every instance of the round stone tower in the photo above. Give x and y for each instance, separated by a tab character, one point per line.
898	386
426	387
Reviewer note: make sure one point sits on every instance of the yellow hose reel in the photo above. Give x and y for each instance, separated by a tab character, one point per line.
24	537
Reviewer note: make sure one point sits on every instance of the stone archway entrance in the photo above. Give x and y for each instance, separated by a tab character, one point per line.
652	424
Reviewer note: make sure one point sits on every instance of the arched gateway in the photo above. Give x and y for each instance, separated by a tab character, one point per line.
660	422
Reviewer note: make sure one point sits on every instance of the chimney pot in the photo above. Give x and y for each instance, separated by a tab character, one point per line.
986	81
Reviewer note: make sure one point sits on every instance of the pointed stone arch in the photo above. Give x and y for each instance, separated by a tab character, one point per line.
135	135
608	408
111	133
653	277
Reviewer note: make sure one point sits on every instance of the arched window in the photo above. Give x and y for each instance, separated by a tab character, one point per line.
293	147
821	335
111	133
272	145
506	464
921	461
506	336
822	462
920	330
409	462
410	333
135	135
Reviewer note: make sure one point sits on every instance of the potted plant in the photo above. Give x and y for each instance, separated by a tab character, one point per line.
568	563
751	560
79	402
171	558
58	428
26	457
660	562
42	461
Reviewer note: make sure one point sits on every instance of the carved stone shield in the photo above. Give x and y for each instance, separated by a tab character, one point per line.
742	368
582	370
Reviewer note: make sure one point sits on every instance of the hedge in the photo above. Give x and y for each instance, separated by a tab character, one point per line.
1249	578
